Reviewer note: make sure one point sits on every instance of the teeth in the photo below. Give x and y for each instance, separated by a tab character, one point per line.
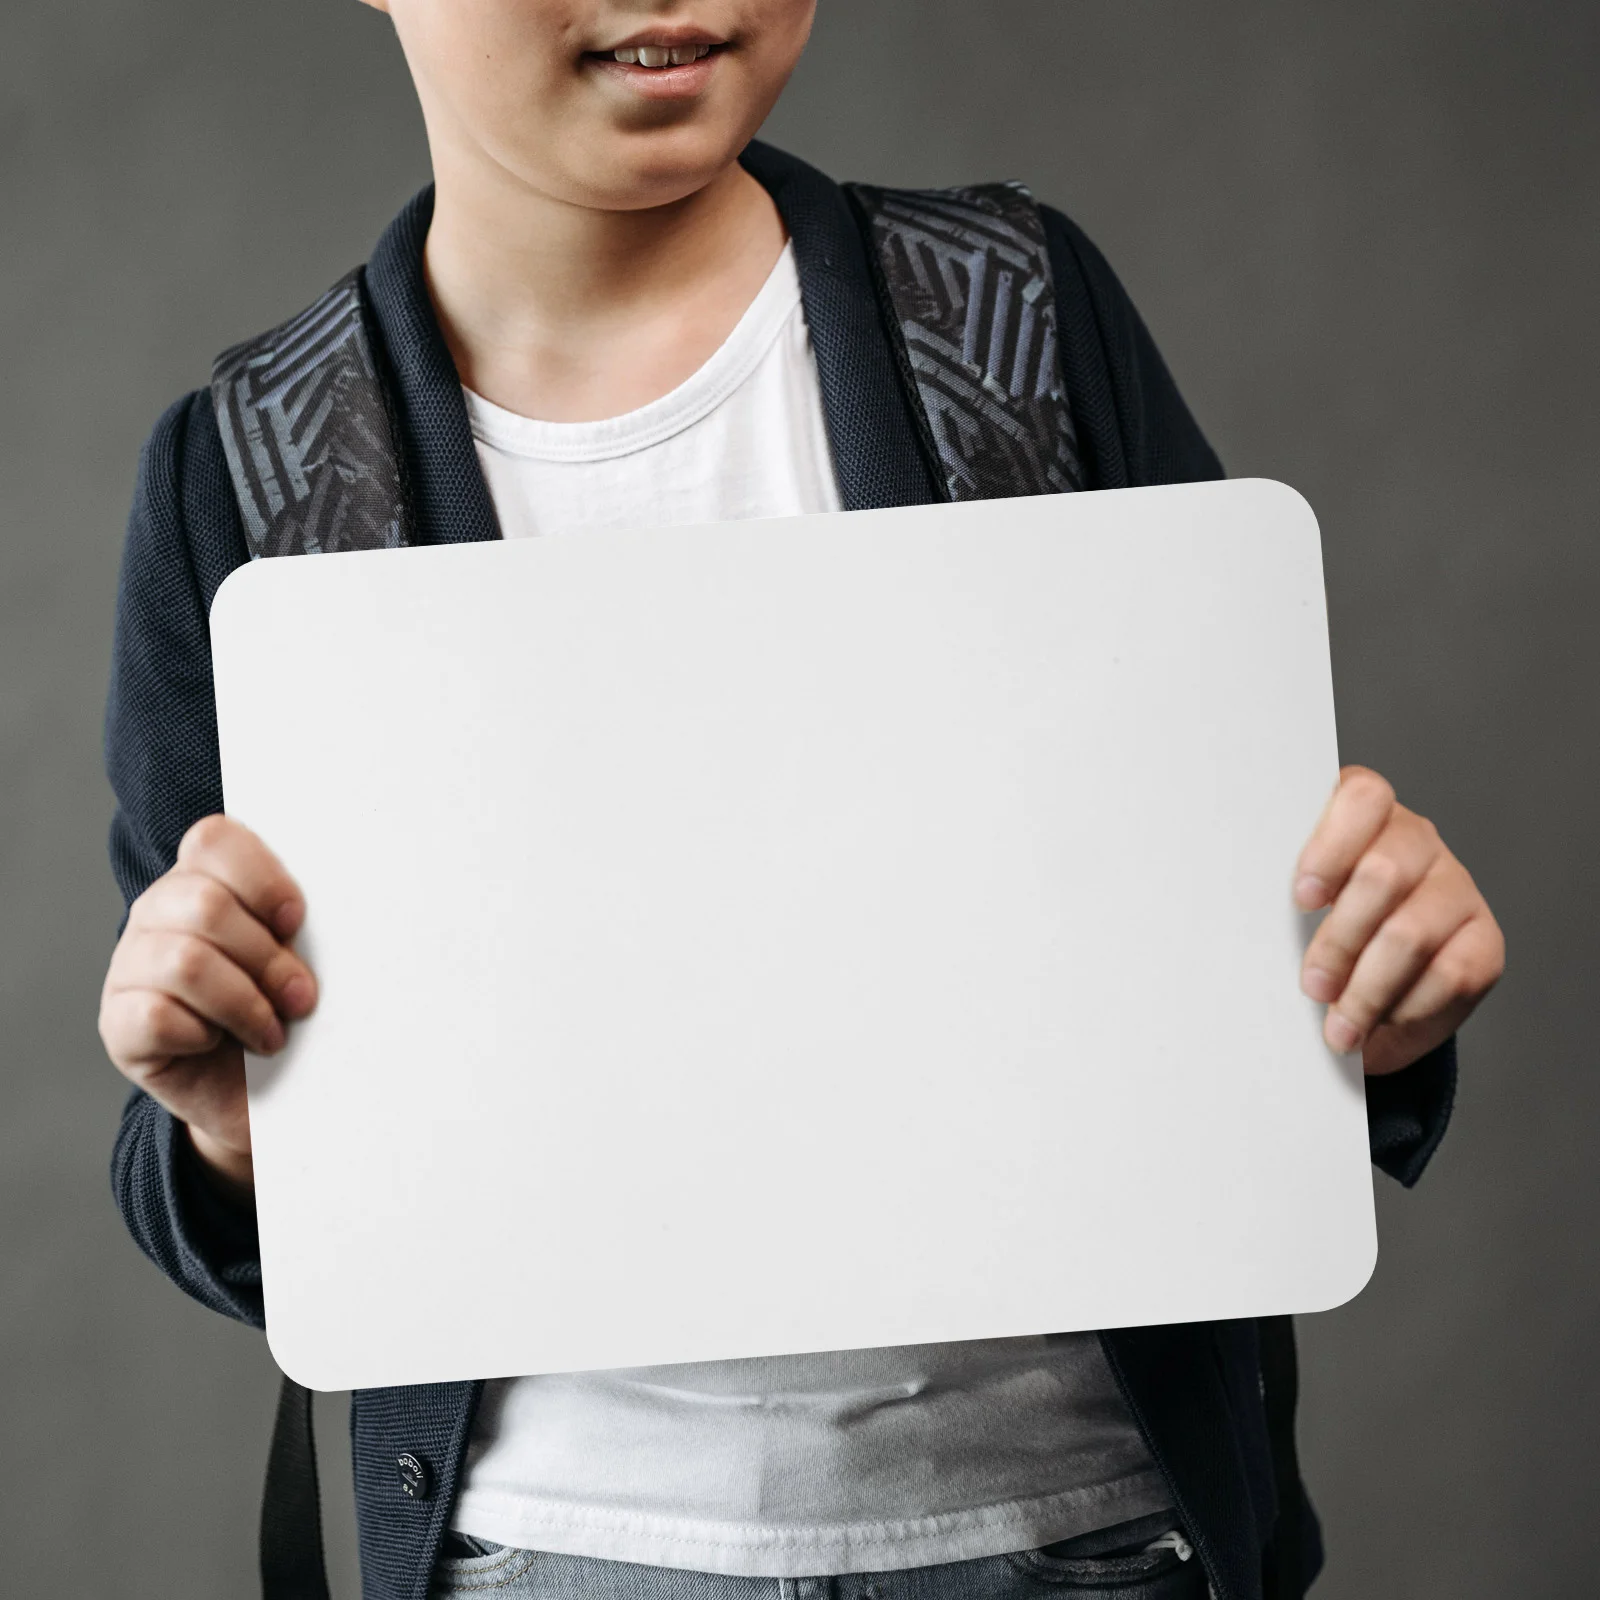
659	55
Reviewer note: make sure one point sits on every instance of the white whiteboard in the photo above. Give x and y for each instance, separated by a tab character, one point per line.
805	934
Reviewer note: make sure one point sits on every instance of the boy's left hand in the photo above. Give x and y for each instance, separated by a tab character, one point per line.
1410	946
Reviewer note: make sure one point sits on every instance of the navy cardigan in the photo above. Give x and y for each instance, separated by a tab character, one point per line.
1195	1389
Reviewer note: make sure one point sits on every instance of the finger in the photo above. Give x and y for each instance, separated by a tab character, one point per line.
223	848
1399	953
143	1029
1392	1046
1355	816
1468	965
1464	969
1390	869
192	902
194	971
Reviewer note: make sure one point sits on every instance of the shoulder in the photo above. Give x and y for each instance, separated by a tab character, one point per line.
185	521
1086	285
159	734
1132	424
1074	250
1140	427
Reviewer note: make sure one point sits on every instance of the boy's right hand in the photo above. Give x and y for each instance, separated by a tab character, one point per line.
203	970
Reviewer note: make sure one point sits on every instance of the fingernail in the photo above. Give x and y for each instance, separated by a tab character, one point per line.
297	995
1341	1033
1310	892
272	1037
286	918
1320	984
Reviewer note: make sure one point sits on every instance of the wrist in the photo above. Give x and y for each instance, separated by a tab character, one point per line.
228	1171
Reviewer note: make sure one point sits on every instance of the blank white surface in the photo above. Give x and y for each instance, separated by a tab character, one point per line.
792	935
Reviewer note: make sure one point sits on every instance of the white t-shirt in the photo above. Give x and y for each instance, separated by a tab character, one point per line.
743	437
781	1466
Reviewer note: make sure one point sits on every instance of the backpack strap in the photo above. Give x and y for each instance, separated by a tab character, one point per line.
306	429
310	444
292	1563
968	296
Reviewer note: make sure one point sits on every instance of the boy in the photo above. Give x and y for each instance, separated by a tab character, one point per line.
613	309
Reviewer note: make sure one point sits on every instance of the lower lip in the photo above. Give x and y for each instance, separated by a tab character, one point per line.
660	83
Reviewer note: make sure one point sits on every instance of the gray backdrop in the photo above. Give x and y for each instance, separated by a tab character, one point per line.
1364	235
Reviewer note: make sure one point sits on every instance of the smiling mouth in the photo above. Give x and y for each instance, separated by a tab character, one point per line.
656	57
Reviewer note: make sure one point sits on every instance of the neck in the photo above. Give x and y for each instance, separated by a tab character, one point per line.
570	312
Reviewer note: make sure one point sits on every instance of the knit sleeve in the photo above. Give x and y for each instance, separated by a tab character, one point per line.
1408	1111
161	756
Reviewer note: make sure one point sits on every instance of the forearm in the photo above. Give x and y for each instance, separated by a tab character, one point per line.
201	1237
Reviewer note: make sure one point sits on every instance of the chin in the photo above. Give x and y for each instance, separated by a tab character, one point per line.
655	167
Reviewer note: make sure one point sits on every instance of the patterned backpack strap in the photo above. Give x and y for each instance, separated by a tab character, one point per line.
966	282
311	449
306	429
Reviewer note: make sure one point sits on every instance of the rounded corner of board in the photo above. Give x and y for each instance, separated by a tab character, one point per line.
228	593
1354	1276
307	1373
1296	507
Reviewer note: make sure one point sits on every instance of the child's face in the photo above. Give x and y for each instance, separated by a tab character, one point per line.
533	88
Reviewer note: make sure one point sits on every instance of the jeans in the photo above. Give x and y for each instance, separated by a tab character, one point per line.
1097	1566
